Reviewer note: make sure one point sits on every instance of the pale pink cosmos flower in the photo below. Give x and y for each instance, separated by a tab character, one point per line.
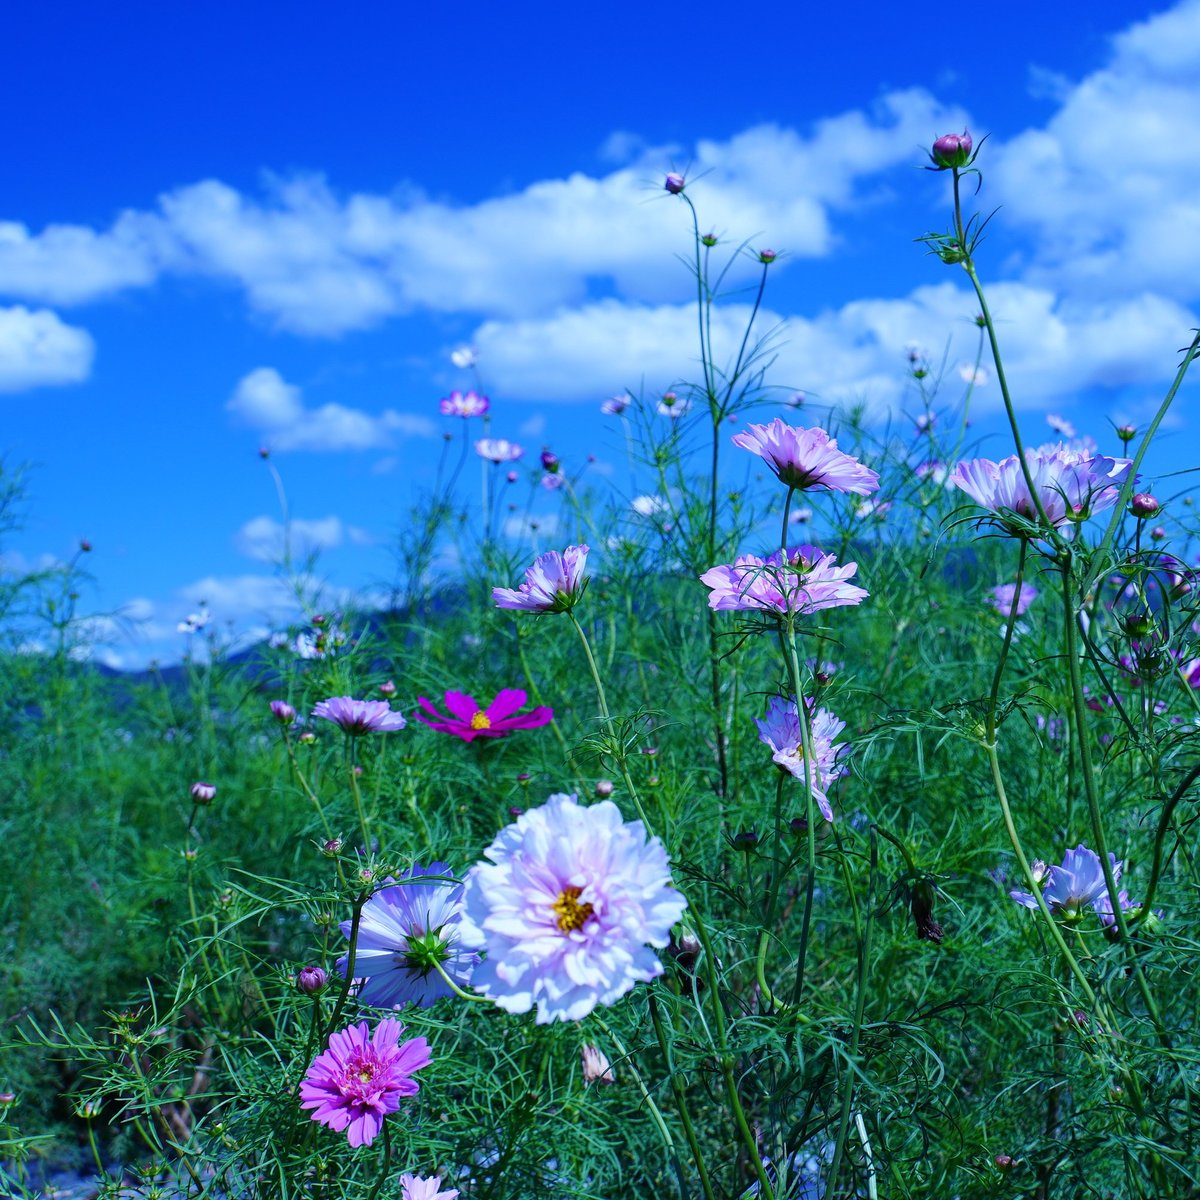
615	405
568	908
780	729
416	1187
554	583
464	404
464	357
673	406
1072	485
360	716
363	1077
1060	425
596	1067
498	450
806	458
973	375
803	581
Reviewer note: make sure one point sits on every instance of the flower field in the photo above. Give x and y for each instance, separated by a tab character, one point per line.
811	819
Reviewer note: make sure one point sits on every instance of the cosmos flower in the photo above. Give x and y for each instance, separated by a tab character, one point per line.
1069	888
283	712
404	929
416	1187
363	1077
973	375
780	729
596	1067
614	406
806	458
806	582
649	506
468	721
1060	425
464	404
464	357
360	716
1002	598
1072	484
567	909
554	583
673	406
498	450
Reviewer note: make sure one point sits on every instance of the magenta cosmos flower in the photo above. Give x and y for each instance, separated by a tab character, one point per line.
361	1078
415	1187
806	458
567	910
464	404
554	583
780	729
360	716
802	581
498	450
405	928
468	721
1072	484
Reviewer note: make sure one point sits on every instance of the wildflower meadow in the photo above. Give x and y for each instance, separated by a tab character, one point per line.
810	818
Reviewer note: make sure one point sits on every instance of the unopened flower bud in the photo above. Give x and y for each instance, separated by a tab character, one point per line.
1137	624
766	257
308	738
189	853
7	1098
1143	505
319	619
514	811
685	950
332	848
524	777
604	788
1126	433
745	839
951	150
1158	533
85	546
596	1067
203	793
1004	1162
708	239
669	399
284	713
512	477
263	452
673	183
312	980
387	688
981	320
550	461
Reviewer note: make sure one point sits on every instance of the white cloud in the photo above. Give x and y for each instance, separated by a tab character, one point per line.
264	400
319	264
263	538
39	350
1111	185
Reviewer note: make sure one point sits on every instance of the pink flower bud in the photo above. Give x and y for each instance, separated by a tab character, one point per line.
284	713
85	546
312	980
766	257
596	1067
673	183
203	793
388	688
952	150
549	461
511	477
1158	533
604	788
1004	1162
1143	505
1126	433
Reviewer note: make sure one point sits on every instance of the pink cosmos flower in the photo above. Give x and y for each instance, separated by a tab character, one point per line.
1072	484
415	1187
1002	598
464	404
803	582
554	583
468	721
361	1078
806	458
498	450
360	716
615	405
567	910
1060	425
780	729
405	928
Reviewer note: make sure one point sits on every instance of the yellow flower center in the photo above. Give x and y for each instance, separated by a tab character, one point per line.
571	914
481	720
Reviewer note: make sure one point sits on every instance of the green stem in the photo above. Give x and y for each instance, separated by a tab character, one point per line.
387	1161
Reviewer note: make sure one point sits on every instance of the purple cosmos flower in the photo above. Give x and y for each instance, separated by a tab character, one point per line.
360	716
361	1078
1078	882
780	729
1102	907
1072	484
615	405
416	1187
1060	425
1002	598
405	928
567	909
464	404
468	721
805	582
806	458
498	450
554	583
283	712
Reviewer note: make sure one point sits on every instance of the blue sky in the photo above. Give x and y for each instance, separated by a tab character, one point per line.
219	232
